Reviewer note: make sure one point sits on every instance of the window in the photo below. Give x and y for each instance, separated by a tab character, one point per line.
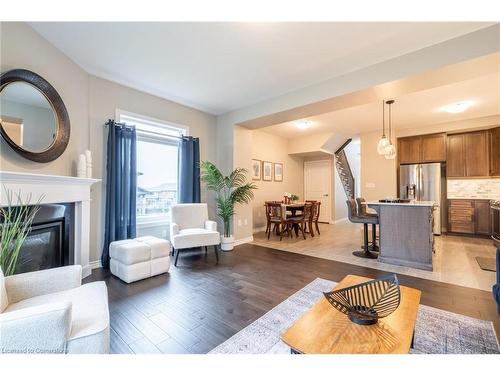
157	148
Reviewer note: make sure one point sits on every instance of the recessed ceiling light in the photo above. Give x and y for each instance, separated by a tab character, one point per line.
303	125
457	107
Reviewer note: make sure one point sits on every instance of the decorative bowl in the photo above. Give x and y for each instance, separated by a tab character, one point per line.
367	302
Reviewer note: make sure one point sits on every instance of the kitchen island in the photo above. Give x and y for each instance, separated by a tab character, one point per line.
406	237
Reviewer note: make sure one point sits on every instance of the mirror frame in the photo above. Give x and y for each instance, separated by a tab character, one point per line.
61	139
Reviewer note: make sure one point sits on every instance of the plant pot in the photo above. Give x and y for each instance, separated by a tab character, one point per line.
226	243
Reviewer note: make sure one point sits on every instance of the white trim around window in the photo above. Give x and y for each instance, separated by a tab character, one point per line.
151	120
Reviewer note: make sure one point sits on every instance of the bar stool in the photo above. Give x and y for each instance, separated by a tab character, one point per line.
363	212
365	220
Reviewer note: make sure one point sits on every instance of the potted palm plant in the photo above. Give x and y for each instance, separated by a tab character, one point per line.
229	190
16	219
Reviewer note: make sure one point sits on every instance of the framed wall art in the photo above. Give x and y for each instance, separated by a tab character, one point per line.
278	172
256	170
267	171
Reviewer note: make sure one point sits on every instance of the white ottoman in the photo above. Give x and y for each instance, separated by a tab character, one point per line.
139	258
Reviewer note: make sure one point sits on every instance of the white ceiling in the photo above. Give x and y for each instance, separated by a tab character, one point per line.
219	67
419	109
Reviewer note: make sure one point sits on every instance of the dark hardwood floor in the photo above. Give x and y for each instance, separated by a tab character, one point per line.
199	304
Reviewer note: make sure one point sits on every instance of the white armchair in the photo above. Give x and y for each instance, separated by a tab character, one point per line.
50	311
190	227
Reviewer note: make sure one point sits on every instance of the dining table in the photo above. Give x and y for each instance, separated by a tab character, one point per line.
293	208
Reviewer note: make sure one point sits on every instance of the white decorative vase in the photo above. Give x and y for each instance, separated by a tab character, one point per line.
226	243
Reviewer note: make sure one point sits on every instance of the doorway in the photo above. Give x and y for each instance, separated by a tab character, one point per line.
318	185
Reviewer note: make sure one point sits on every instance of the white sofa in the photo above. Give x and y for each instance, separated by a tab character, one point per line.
50	311
190	227
139	258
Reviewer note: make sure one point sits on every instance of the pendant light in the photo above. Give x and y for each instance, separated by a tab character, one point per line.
390	150
383	142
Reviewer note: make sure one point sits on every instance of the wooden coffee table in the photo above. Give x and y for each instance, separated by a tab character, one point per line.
325	330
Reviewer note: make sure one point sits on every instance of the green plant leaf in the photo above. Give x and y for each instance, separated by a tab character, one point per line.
230	190
16	219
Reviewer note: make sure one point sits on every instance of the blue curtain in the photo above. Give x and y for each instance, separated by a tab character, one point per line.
121	185
189	170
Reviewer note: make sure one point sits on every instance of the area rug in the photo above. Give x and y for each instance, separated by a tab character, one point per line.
436	332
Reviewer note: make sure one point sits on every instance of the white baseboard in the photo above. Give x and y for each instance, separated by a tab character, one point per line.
95	264
259	229
339	220
241	241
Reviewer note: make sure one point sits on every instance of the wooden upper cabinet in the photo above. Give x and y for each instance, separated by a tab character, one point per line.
433	148
409	150
495	152
422	149
455	155
477	163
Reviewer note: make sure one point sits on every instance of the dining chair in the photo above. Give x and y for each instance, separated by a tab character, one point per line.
314	216
268	209
276	214
301	221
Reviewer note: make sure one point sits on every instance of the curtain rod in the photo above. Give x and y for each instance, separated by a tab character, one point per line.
114	123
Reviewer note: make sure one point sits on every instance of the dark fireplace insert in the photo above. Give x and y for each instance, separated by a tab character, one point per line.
49	243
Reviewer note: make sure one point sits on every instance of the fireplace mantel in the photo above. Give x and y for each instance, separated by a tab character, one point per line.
57	189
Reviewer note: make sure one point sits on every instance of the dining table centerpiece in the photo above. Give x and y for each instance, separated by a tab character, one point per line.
290	198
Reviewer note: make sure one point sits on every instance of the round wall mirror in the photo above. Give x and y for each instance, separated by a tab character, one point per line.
34	120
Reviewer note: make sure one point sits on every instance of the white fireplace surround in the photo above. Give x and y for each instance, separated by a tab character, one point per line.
57	189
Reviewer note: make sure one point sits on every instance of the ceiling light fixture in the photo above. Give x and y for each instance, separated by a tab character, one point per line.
383	142
303	125
390	151
457	107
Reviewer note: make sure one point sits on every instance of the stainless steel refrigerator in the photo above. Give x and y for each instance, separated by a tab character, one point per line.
425	182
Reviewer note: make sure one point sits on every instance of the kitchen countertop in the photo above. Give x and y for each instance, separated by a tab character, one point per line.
473	199
410	204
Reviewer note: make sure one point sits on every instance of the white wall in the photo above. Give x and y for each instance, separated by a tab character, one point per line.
90	101
272	148
378	175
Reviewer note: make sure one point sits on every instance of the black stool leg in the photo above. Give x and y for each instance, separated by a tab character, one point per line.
365	235
374	246
366	253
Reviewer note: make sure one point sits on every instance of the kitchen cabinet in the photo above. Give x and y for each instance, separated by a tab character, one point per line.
433	148
422	149
409	150
468	154
469	216
461	216
482	217
476	154
495	152
455	155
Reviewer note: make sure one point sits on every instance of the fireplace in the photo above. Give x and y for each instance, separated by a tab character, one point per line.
50	242
71	192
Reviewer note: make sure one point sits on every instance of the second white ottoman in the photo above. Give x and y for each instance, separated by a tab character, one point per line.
139	258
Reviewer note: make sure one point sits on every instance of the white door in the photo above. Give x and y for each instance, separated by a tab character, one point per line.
318	185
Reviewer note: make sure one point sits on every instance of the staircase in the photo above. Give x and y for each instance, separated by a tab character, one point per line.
344	170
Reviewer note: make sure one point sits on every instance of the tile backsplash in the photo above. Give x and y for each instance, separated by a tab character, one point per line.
474	189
